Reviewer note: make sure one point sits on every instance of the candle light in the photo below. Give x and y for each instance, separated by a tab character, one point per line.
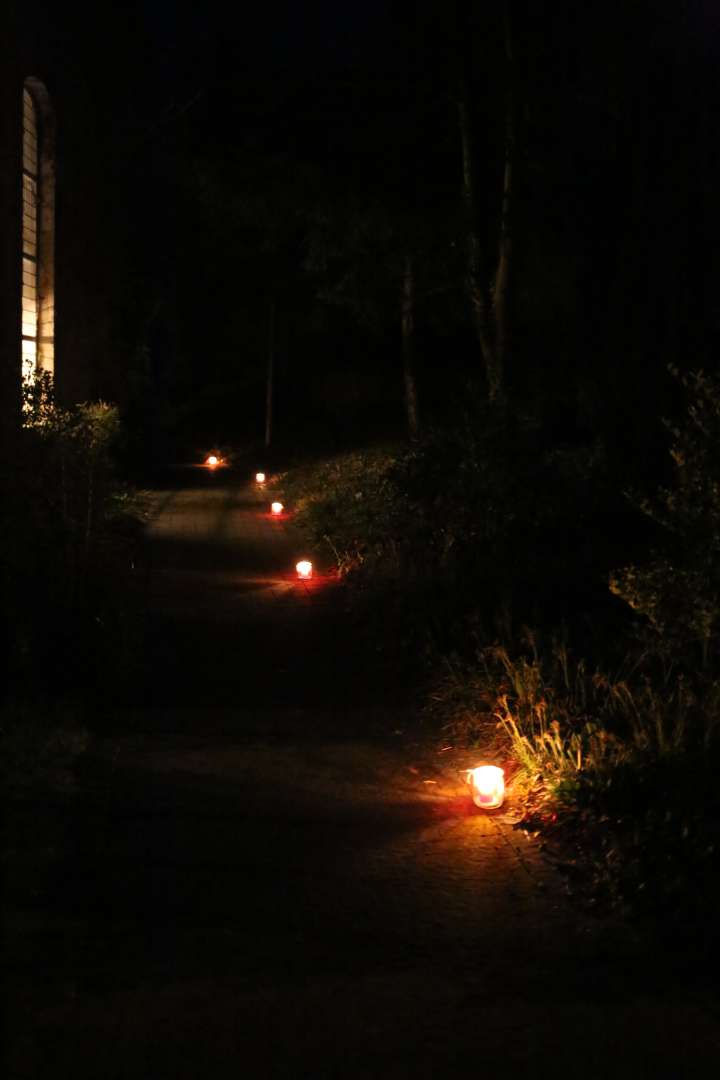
487	783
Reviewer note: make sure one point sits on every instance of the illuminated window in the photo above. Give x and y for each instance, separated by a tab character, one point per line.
38	231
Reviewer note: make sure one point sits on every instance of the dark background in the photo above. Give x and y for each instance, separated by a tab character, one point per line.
283	160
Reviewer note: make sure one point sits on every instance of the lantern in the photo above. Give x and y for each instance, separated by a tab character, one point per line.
260	477
488	786
211	461
277	507
304	569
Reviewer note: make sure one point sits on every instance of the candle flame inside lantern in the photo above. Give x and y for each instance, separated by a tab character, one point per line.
212	460
277	507
488	786
260	477
304	568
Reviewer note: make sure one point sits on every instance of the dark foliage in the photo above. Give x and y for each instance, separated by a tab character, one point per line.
65	552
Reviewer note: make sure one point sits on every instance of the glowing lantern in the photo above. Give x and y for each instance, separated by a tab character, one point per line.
212	461
260	477
488	786
277	507
304	569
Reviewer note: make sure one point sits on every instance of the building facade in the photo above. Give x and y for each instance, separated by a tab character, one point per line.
55	284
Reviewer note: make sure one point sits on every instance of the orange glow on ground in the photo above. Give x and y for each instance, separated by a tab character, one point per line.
488	786
312	587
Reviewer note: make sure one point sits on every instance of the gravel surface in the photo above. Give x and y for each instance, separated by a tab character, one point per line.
270	872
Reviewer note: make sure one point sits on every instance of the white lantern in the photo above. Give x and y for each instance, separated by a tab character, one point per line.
304	569
260	477
277	507
487	783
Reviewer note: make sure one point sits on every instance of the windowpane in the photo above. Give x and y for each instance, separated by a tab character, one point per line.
29	216
29	356
29	236
38	229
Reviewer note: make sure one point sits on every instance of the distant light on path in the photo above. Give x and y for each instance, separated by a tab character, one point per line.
277	507
304	569
260	477
212	461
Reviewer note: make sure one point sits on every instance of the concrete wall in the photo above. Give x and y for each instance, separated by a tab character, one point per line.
11	84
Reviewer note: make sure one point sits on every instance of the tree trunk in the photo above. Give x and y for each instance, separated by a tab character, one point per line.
408	347
270	376
491	311
477	291
502	290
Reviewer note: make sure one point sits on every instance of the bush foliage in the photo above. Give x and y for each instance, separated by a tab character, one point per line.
64	560
678	589
479	532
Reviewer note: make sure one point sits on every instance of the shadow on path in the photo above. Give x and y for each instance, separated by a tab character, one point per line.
268	875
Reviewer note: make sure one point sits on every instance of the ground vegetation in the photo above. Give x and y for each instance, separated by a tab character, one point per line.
71	625
605	713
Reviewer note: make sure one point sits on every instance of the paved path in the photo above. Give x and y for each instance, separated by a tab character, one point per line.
273	875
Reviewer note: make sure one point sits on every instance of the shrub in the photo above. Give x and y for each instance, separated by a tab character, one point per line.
647	833
468	533
61	570
74	447
622	771
350	505
678	589
551	711
476	531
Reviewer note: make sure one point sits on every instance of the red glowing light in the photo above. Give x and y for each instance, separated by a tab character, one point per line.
304	569
277	507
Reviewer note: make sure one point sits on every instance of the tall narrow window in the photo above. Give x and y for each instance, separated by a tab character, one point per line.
38	231
30	236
